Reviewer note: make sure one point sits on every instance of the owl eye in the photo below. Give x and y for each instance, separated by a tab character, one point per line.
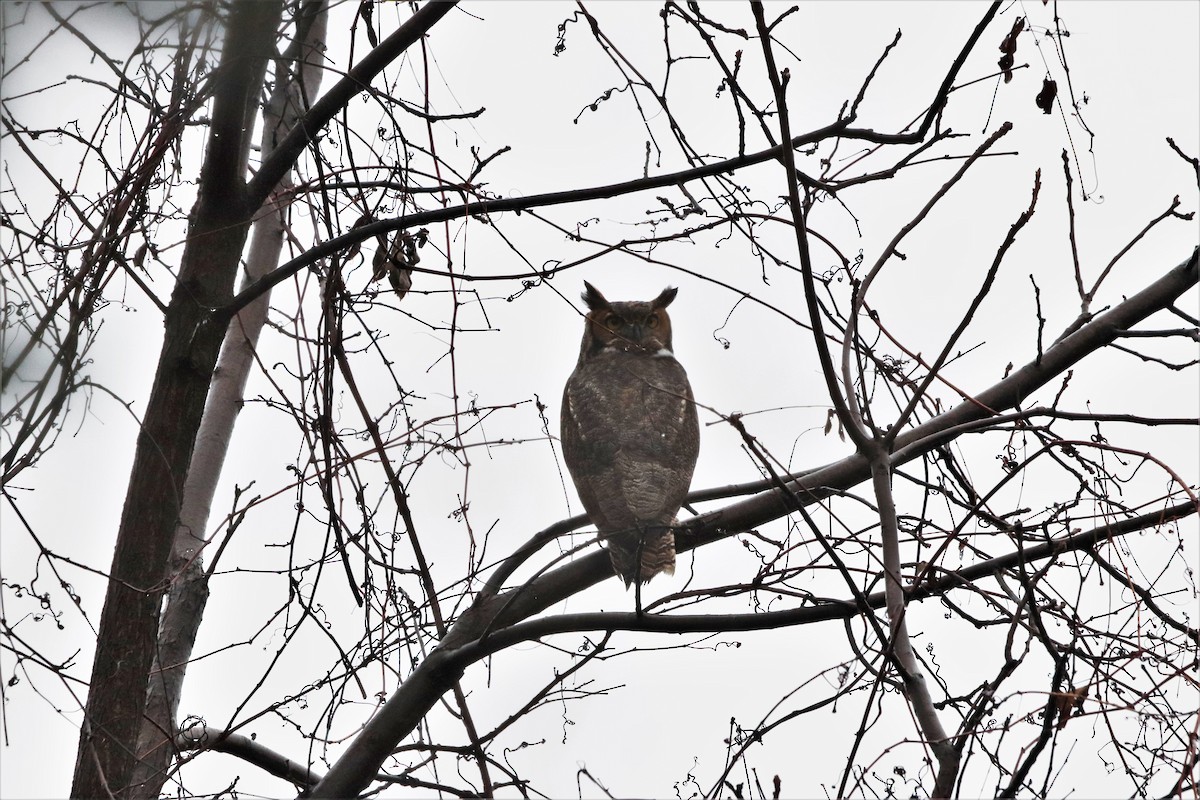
613	321
652	321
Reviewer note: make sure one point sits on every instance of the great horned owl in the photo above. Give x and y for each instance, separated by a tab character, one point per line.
629	431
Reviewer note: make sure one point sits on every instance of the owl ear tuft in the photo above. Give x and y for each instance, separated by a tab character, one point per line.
664	299
592	297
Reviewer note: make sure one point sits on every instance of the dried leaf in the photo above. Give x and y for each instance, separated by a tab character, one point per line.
396	262
364	11
1006	64
1008	46
1067	702
401	280
1045	98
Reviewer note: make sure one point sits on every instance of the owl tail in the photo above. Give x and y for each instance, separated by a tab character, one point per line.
639	557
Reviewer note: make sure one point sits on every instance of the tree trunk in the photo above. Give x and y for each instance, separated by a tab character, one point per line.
297	79
193	333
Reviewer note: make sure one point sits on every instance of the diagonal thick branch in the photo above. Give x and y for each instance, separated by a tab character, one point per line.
204	738
501	613
358	79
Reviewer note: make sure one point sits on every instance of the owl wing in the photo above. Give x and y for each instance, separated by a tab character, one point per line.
630	438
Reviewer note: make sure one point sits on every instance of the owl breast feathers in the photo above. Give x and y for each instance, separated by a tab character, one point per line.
630	434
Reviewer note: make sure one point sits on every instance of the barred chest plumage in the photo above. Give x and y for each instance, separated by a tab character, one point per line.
630	433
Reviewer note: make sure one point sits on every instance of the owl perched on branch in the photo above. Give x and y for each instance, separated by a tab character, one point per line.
629	431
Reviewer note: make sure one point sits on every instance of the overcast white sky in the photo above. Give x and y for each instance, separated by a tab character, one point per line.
1137	65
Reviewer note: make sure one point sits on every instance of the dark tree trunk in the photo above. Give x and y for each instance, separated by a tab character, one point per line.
192	338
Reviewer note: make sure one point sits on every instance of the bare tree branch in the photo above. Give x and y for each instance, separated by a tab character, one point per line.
438	672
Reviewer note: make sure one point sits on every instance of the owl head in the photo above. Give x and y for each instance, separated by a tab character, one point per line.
636	326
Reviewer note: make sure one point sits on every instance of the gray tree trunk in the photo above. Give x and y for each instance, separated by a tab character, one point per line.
297	79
